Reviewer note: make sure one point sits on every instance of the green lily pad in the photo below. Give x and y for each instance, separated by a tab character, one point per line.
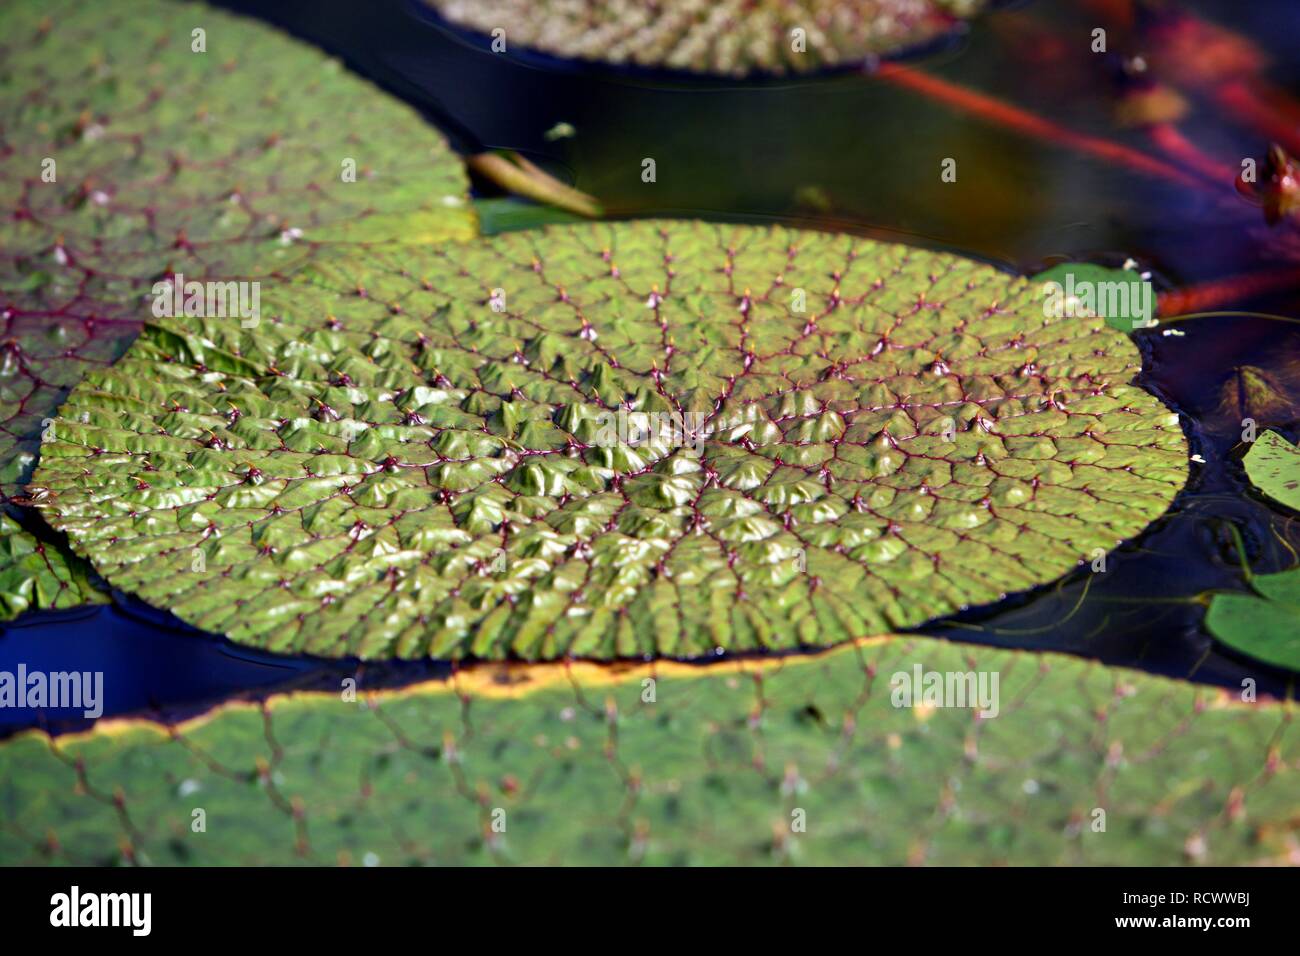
130	156
615	440
802	760
725	37
1273	466
1264	625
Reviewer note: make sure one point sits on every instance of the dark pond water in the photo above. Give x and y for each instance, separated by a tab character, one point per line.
854	153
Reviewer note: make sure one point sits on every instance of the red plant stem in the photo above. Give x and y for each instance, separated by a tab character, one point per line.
1207	296
1240	99
1022	121
1178	147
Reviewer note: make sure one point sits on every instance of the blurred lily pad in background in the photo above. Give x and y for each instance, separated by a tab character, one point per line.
721	37
578	764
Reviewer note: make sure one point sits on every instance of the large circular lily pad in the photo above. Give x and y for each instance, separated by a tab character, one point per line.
720	37
610	441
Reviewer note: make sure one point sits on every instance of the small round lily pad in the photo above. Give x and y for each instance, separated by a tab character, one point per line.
1264	625
584	770
612	440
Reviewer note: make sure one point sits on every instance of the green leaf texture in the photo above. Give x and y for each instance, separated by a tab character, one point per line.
224	164
1273	466
709	764
126	157
611	441
37	574
724	37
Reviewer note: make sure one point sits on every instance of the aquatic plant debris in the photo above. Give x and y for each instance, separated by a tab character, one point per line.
1259	395
794	760
607	441
146	140
726	37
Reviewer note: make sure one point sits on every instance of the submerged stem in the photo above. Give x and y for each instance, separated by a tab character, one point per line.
1171	141
1200	300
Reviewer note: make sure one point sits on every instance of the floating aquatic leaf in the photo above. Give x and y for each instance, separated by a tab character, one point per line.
1264	625
1273	465
726	37
610	441
803	760
145	139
